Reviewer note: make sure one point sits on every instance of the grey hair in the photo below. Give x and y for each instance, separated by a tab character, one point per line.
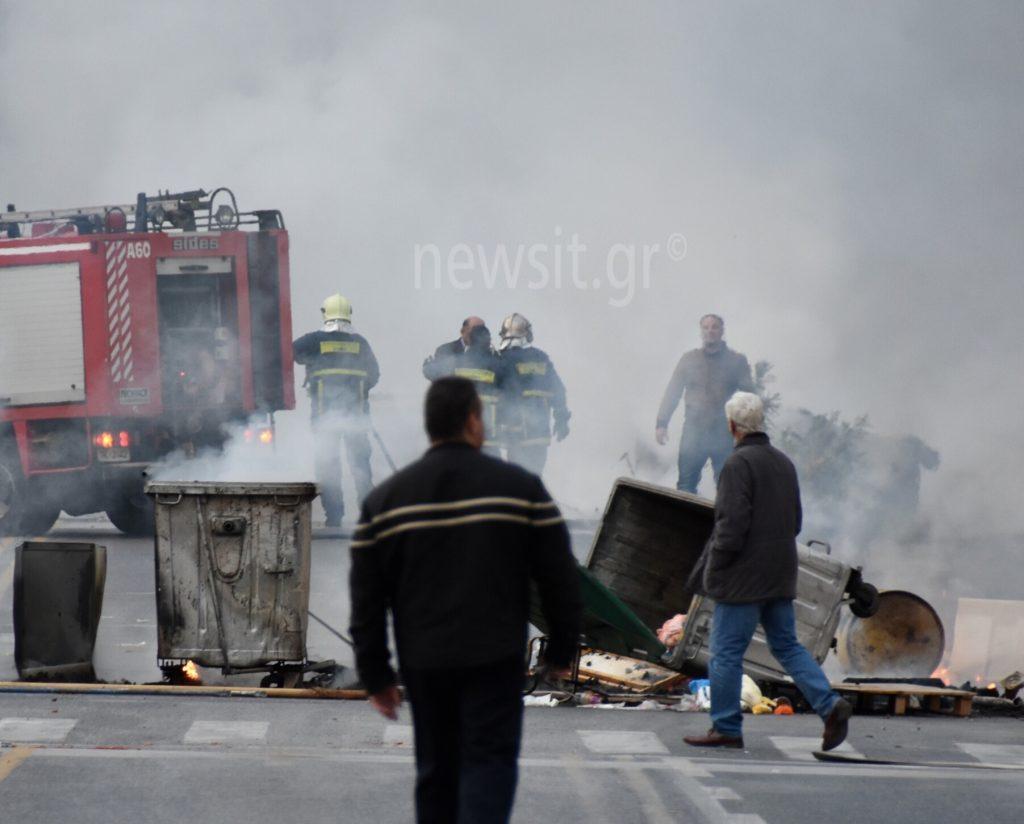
746	411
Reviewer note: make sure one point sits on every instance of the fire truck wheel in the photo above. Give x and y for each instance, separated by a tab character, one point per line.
133	515
38	520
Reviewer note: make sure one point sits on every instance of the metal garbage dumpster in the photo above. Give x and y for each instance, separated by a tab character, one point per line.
649	541
232	574
58	598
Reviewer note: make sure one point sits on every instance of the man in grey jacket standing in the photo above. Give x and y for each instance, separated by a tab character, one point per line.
707	376
749	568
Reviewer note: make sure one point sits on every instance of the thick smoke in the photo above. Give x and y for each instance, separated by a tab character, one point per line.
847	180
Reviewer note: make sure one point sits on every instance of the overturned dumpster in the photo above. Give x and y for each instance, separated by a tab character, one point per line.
647	544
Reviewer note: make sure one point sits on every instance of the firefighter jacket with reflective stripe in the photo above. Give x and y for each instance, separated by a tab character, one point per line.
533	392
450	545
340	370
487	371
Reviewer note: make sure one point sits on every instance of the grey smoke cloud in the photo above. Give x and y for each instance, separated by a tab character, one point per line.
848	180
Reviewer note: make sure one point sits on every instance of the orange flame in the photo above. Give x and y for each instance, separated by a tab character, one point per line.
191	672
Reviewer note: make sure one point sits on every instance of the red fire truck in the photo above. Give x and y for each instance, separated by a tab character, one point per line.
128	333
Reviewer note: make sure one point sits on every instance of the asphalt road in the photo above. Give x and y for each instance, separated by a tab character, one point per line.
113	759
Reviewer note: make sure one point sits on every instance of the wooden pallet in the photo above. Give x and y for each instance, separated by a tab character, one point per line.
631	673
899	695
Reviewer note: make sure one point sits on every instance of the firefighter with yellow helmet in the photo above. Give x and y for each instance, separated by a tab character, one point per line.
534	394
341	369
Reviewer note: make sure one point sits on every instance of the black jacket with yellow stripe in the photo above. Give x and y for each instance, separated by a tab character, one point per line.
340	370
533	391
488	372
450	545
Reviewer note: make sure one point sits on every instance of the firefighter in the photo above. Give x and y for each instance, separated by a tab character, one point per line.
480	364
534	394
340	371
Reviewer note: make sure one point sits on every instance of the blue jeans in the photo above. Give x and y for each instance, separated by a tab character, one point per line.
696	447
732	628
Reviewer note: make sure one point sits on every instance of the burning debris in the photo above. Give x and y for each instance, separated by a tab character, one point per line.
191	672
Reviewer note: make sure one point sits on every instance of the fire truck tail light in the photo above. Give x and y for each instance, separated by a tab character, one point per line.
104	440
112	447
263	435
108	440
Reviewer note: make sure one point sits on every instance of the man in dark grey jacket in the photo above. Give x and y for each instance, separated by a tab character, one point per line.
749	567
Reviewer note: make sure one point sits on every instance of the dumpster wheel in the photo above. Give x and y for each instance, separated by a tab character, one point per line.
864	600
284	678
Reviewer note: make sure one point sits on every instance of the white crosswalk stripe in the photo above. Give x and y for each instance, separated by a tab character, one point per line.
722	793
802	748
26	730
1012	754
622	742
226	732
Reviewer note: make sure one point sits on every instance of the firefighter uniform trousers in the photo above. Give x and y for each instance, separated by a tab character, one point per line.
488	389
330	429
535	391
340	370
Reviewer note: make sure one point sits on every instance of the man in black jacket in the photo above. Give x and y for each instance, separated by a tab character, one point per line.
449	545
455	347
481	365
750	568
341	369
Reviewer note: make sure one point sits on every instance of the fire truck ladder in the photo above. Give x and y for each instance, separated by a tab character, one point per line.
165	210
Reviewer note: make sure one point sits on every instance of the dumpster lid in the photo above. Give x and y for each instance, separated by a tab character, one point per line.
648	543
230	488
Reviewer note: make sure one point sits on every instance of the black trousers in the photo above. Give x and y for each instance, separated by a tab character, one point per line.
468	725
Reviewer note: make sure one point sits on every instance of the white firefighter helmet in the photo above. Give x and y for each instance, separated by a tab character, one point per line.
515	328
337	307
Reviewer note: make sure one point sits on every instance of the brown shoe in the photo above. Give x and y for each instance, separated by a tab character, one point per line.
836	725
715	739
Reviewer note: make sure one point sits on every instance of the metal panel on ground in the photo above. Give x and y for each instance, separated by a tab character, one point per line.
42	357
58	598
